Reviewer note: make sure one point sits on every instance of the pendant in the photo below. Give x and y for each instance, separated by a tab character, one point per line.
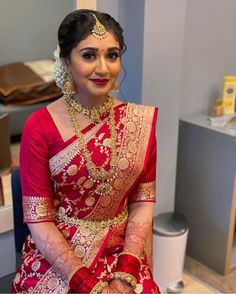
103	189
94	116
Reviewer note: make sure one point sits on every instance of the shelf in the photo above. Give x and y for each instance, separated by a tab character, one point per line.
202	121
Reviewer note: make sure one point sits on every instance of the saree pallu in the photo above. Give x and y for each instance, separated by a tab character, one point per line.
94	225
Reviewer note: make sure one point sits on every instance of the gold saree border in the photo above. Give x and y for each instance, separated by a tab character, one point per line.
131	159
51	282
146	192
64	157
37	209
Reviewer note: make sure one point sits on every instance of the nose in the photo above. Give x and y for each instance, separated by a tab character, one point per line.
101	67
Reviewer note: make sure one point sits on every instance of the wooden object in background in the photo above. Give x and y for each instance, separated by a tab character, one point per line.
1	194
5	152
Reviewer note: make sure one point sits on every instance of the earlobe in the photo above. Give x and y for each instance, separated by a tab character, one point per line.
66	64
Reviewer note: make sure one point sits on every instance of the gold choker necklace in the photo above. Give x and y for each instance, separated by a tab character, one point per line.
94	114
98	175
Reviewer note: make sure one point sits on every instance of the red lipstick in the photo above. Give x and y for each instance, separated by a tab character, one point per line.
99	82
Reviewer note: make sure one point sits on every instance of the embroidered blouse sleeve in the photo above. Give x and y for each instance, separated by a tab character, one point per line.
35	174
145	190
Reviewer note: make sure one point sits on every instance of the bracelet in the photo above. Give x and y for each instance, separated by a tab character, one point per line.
126	277
98	287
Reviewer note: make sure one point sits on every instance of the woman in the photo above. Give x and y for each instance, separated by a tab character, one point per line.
87	167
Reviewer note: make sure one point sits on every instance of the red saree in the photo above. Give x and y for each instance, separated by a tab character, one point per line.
56	188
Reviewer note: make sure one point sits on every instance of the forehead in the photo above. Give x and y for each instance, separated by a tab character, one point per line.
91	42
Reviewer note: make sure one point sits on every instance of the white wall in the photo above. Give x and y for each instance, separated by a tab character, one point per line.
133	24
29	28
162	69
110	6
209	52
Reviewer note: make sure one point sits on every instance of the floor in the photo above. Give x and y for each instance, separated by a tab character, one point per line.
224	284
192	284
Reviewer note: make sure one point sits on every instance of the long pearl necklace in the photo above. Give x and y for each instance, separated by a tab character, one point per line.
99	175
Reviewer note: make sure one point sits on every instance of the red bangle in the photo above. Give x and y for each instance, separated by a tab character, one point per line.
129	259
129	264
83	281
88	284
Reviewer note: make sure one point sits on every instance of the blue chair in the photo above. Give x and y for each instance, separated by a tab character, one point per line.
21	230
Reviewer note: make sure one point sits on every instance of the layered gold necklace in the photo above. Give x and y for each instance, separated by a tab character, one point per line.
94	114
98	175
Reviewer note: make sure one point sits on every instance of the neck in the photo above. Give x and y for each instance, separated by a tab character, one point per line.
90	101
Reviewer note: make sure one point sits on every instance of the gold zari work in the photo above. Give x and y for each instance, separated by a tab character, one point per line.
92	225
129	162
37	209
146	191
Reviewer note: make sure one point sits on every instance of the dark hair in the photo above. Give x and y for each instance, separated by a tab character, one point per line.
77	25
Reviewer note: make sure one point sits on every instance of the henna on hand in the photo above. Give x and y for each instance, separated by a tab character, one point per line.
55	248
60	255
135	238
138	226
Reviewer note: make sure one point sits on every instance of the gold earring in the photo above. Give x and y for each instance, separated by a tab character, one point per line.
115	88
69	88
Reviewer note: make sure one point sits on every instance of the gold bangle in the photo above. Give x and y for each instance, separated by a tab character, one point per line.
73	272
98	287
126	277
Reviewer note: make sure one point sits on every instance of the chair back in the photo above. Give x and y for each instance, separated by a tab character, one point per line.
21	230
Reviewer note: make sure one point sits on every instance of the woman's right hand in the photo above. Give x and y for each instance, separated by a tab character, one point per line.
118	286
54	247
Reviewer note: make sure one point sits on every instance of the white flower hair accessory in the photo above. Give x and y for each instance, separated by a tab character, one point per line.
58	71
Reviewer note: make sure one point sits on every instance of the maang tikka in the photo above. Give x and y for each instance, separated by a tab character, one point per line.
98	31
